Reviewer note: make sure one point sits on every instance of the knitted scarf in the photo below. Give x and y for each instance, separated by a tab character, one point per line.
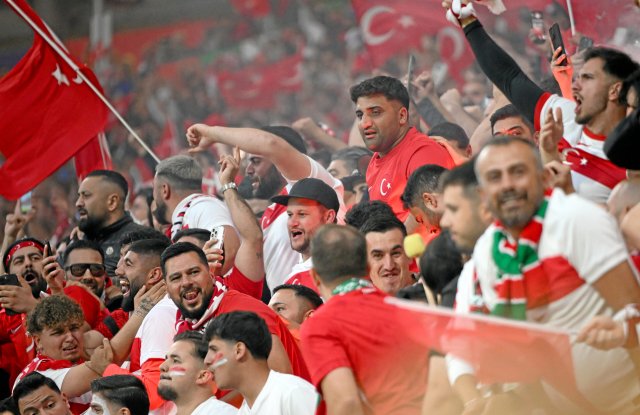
517	261
184	324
351	284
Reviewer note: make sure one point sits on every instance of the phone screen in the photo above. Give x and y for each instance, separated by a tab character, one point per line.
25	203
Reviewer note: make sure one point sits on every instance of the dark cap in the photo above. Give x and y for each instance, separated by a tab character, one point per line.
312	189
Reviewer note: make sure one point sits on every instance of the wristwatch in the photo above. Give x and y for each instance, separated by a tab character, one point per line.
230	185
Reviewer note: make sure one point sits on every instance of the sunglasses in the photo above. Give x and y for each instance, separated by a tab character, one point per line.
78	270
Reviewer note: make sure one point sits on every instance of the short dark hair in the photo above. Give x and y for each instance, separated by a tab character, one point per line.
391	88
617	64
450	131
440	263
200	234
359	213
142	233
424	179
149	247
507	111
632	81
9	405
32	382
113	177
196	339
82	244
179	249
339	251
463	175
244	327
302	291
53	311
289	135
352	156
383	223
126	391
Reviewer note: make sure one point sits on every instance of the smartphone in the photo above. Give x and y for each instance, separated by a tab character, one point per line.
47	248
217	233
537	24
585	43
25	203
557	42
9	279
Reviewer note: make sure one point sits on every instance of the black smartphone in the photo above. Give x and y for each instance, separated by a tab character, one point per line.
585	43
47	248
9	279
557	42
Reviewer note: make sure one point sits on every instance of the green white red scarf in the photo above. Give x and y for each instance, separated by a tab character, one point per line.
351	284
517	261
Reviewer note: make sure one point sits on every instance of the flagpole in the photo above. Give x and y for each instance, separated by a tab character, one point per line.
75	67
573	23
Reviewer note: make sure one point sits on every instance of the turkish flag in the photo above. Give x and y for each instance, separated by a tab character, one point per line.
499	350
94	155
47	113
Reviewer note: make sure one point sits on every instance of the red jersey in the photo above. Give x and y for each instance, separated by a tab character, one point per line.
387	176
358	330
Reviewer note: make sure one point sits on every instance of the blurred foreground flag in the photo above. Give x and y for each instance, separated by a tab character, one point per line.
499	350
47	112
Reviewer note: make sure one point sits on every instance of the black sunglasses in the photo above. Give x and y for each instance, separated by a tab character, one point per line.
78	270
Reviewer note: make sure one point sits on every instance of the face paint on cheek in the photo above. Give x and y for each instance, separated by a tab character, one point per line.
98	401
177	371
218	361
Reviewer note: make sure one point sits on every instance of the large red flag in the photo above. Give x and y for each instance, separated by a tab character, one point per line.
500	350
47	113
94	155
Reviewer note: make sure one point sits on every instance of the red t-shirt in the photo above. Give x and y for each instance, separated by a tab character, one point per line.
236	280
387	176
358	330
237	301
303	278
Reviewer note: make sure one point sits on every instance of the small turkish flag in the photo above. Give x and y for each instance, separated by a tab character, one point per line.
47	113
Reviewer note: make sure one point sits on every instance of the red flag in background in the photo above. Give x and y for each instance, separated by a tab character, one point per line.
47	113
499	350
168	145
252	8
94	155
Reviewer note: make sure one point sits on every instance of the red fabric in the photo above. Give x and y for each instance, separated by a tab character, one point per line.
94	155
236	301
387	176
90	305
252	8
596	168
47	115
303	278
272	212
150	377
16	347
358	330
236	280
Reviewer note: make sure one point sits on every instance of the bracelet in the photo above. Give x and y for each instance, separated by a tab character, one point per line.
227	186
92	369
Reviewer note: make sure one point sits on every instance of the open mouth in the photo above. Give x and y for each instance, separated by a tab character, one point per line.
191	297
30	277
295	234
578	101
70	349
125	287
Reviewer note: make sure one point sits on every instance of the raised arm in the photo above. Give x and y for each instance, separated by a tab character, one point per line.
290	162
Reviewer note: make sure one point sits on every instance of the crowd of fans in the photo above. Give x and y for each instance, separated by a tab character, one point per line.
250	270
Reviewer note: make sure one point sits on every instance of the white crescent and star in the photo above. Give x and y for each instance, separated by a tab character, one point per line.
566	151
382	187
367	19
60	77
458	42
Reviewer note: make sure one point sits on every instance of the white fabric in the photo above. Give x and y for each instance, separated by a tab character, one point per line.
283	395
205	212
301	266
588	238
157	330
575	135
279	258
214	406
58	375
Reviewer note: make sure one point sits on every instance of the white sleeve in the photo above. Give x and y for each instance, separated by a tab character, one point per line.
595	245
300	400
572	130
207	214
57	375
156	334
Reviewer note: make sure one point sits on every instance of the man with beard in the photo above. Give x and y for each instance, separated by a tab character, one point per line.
24	259
185	379
177	191
102	216
277	160
557	260
201	297
141	268
587	121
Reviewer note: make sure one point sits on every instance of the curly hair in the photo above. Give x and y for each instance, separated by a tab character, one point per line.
53	311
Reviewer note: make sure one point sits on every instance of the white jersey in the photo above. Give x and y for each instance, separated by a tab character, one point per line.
593	175
283	394
580	242
213	406
199	211
279	258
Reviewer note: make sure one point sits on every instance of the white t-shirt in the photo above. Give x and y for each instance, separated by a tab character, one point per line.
213	406
580	242
593	175
283	395
155	335
204	212
279	258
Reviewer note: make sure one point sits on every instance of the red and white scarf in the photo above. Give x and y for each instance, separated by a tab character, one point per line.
184	324
177	225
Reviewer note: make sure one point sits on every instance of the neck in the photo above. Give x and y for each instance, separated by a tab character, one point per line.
305	255
606	121
254	380
403	132
188	404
